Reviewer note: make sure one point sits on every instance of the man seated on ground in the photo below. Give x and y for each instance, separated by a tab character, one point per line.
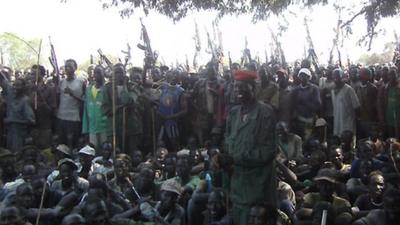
374	198
217	212
12	216
73	219
69	181
28	173
326	181
336	158
104	164
389	215
86	156
291	144
267	215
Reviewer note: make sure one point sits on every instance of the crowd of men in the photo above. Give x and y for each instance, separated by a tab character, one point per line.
258	144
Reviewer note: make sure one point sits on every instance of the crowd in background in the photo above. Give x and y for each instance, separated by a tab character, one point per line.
127	146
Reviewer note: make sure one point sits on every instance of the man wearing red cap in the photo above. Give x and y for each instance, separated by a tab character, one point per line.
250	141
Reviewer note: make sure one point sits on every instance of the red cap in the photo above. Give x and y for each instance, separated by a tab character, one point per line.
242	75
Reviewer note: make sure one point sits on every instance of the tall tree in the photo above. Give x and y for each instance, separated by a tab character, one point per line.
18	52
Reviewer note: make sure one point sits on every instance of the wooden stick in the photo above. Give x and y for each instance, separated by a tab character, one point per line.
41	203
324	217
113	112
123	128
37	72
154	131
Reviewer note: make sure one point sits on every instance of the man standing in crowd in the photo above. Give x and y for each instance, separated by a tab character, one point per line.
46	101
128	120
390	110
71	91
172	107
205	99
250	141
367	94
345	104
20	115
94	121
306	104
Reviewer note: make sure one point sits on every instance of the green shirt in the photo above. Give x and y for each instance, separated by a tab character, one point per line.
250	141
94	119
392	110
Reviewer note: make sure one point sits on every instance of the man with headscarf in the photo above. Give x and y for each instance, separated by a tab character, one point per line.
345	103
250	142
367	94
306	104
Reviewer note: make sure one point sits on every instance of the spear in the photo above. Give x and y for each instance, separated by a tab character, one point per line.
197	43
2	59
37	71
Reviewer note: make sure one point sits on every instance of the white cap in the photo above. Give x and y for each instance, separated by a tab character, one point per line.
87	150
305	71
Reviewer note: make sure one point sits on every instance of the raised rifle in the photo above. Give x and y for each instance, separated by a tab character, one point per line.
211	48
150	56
114	109
53	60
311	51
197	43
279	49
105	59
127	53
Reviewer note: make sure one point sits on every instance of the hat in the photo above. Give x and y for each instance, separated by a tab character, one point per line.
243	75
305	71
87	150
338	71
183	152
64	149
365	73
281	70
320	122
67	161
5	152
326	174
171	185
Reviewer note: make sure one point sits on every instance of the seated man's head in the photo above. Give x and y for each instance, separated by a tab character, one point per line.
391	204
145	180
29	154
326	182
262	215
376	185
67	168
216	205
122	165
170	165
107	150
73	219
11	216
137	158
346	137
7	162
169	192
183	167
37	185
336	156
282	129
24	196
98	186
96	213
28	173
86	155
365	150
